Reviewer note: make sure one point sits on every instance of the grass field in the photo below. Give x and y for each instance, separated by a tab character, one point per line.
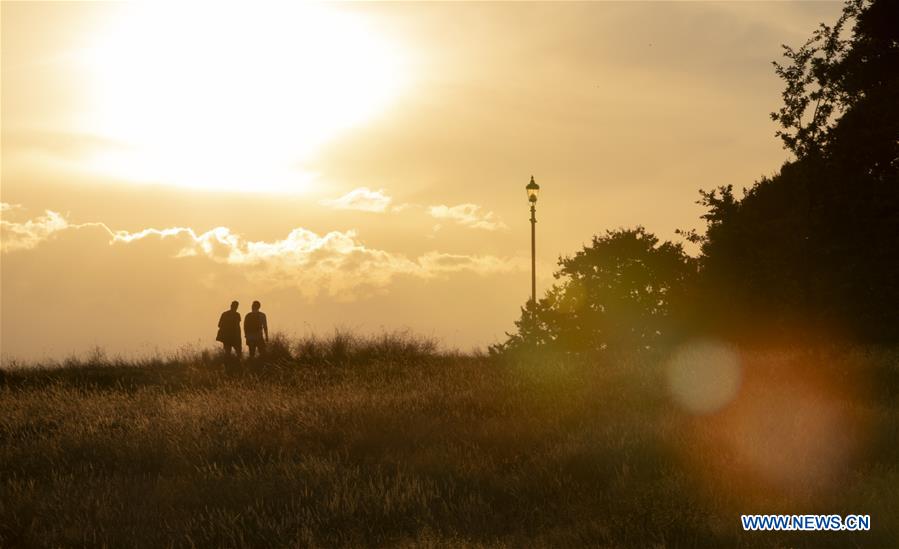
358	442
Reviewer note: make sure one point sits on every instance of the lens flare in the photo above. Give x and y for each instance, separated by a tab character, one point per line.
797	426
703	376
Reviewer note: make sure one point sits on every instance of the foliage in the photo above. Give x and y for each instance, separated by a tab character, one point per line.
344	347
819	239
812	96
841	90
620	292
814	247
445	451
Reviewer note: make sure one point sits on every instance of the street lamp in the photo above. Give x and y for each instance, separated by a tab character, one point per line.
533	190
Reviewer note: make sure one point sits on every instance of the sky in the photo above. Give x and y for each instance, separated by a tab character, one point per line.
355	166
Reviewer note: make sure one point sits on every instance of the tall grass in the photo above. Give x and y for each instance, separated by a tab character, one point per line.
371	441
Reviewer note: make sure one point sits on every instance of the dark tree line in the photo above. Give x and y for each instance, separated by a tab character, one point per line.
815	246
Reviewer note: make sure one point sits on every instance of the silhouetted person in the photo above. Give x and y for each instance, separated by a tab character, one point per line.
255	327
229	330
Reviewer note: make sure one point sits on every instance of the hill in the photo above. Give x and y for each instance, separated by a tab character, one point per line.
347	441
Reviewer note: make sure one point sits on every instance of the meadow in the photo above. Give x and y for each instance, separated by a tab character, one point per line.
386	441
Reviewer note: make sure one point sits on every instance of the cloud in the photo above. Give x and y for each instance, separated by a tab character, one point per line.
468	215
435	262
28	234
25	235
337	263
363	199
58	144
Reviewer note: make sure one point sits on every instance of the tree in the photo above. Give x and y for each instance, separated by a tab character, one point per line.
623	291
840	91
812	96
820	239
815	245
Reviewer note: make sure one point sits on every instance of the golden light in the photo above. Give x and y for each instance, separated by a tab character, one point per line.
233	97
792	433
703	376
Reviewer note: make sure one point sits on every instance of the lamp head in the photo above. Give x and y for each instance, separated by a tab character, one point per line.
533	190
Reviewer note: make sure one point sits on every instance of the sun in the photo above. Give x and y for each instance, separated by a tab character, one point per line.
229	97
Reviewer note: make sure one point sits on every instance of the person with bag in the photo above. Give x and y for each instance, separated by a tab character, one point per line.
229	331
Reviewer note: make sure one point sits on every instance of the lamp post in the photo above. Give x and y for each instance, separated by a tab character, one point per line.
533	190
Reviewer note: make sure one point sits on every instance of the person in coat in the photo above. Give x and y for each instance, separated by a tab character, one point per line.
229	330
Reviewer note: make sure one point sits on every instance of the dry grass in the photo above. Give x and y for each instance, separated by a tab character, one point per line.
348	441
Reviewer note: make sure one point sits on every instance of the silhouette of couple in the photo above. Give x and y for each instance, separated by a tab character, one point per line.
255	328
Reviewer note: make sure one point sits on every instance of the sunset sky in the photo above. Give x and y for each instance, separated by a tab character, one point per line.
355	165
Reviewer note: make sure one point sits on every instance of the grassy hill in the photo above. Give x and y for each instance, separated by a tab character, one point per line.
348	441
